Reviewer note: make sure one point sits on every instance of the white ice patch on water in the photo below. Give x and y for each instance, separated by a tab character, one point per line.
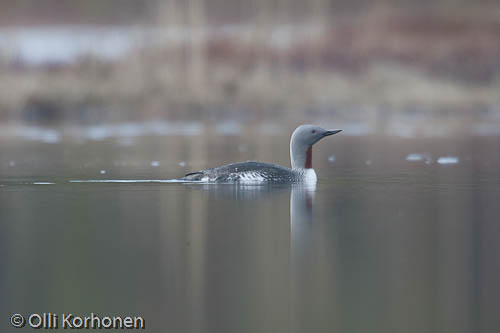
102	172
155	164
448	160
43	183
417	157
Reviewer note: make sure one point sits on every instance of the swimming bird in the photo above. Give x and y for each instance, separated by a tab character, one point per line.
301	142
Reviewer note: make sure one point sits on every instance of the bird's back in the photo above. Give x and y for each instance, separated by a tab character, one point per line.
245	172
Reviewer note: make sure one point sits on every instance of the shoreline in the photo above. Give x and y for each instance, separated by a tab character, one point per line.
427	70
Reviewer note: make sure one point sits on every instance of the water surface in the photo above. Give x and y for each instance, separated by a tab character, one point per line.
383	243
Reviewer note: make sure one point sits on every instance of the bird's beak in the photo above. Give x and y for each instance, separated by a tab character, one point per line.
332	132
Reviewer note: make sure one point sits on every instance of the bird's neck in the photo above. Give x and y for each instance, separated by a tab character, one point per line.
309	154
301	156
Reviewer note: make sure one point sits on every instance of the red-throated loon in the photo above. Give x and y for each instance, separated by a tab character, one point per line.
303	138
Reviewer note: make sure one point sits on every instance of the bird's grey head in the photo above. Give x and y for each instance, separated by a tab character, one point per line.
301	143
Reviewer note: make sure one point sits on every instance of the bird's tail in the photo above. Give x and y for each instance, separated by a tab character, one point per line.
193	176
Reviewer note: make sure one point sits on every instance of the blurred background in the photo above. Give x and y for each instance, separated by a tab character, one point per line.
392	66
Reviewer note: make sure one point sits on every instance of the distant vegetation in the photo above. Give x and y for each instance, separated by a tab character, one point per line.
352	61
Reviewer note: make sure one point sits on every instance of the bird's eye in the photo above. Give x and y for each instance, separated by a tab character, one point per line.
313	131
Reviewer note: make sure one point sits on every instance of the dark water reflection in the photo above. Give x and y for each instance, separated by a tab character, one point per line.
385	246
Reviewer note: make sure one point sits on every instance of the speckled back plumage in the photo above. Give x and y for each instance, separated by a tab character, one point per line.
249	171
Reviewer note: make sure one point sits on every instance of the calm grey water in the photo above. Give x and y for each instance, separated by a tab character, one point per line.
381	244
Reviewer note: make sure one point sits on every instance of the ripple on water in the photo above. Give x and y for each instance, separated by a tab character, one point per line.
125	181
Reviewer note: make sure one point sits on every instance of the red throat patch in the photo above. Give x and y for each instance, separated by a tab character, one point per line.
309	154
